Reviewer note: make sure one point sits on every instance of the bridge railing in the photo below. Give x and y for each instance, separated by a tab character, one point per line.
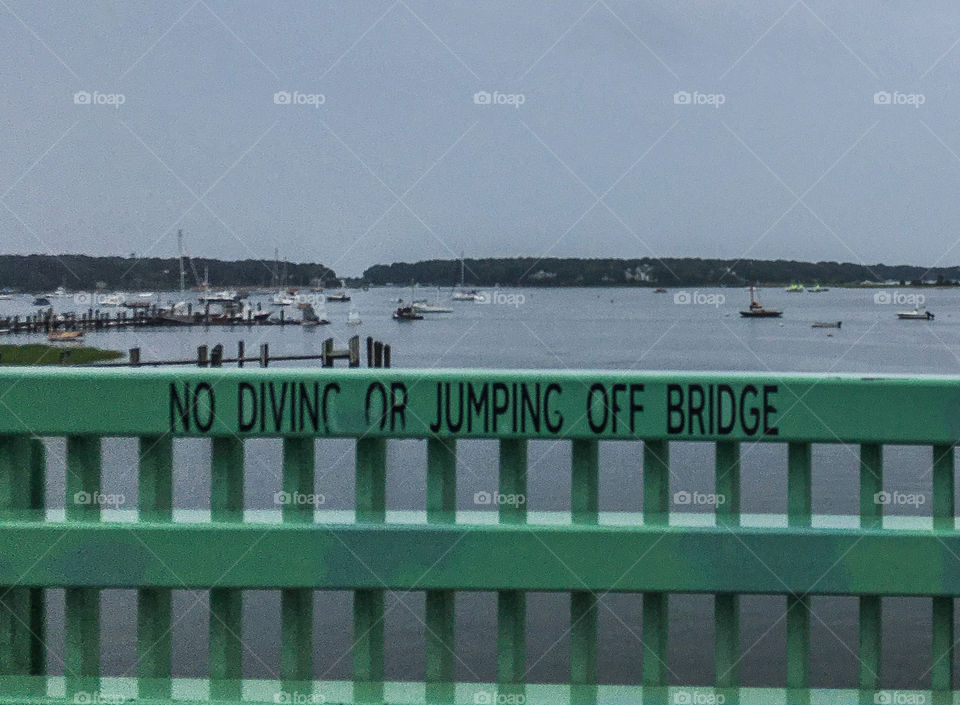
587	557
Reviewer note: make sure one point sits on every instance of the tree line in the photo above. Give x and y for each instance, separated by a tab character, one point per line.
41	273
649	271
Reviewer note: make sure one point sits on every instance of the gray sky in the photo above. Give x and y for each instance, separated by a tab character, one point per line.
399	162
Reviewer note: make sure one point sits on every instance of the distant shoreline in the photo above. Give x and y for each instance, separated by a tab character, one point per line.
43	273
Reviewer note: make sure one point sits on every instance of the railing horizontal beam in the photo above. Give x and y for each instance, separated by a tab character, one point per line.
567	558
531	404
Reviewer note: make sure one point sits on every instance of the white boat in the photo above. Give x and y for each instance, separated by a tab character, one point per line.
282	298
353	318
116	299
463	295
6	297
59	293
422	306
219	297
917	314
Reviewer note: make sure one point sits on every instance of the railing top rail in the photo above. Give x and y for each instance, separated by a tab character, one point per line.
482	403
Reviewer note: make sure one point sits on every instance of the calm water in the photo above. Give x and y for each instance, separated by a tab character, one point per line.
577	329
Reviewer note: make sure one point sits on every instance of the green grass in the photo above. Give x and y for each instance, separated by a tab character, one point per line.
50	355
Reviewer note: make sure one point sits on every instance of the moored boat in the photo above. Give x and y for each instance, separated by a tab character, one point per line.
826	324
917	314
757	310
407	313
65	336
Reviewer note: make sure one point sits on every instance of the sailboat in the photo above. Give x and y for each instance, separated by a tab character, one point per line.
462	295
353	318
338	296
422	306
756	310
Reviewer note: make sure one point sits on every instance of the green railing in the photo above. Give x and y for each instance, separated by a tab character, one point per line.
587	553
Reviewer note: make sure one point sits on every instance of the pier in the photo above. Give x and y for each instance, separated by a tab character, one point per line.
46	321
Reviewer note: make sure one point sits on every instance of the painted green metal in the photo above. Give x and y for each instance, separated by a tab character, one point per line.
440	608
587	554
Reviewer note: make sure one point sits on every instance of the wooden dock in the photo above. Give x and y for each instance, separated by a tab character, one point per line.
378	355
46	321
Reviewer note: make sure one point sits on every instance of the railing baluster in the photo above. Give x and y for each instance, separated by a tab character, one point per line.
296	605
584	504
941	672
656	510
512	604
226	604
15	612
440	604
727	605
154	651
799	513
37	484
871	608
371	508
82	612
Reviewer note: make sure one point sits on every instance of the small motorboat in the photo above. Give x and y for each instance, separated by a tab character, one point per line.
826	324
472	295
283	299
794	288
917	314
818	289
338	296
353	318
407	313
65	336
659	290
41	301
756	310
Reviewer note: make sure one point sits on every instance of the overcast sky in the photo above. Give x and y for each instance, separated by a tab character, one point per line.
615	128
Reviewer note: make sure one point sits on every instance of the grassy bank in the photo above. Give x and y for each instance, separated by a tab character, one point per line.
50	355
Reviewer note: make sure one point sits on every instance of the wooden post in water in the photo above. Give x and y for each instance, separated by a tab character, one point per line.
327	358
202	356
134	356
369	351
386	356
216	356
240	352
264	354
377	353
354	346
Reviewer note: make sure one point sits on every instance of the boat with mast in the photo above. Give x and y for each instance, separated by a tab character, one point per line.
757	310
460	293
